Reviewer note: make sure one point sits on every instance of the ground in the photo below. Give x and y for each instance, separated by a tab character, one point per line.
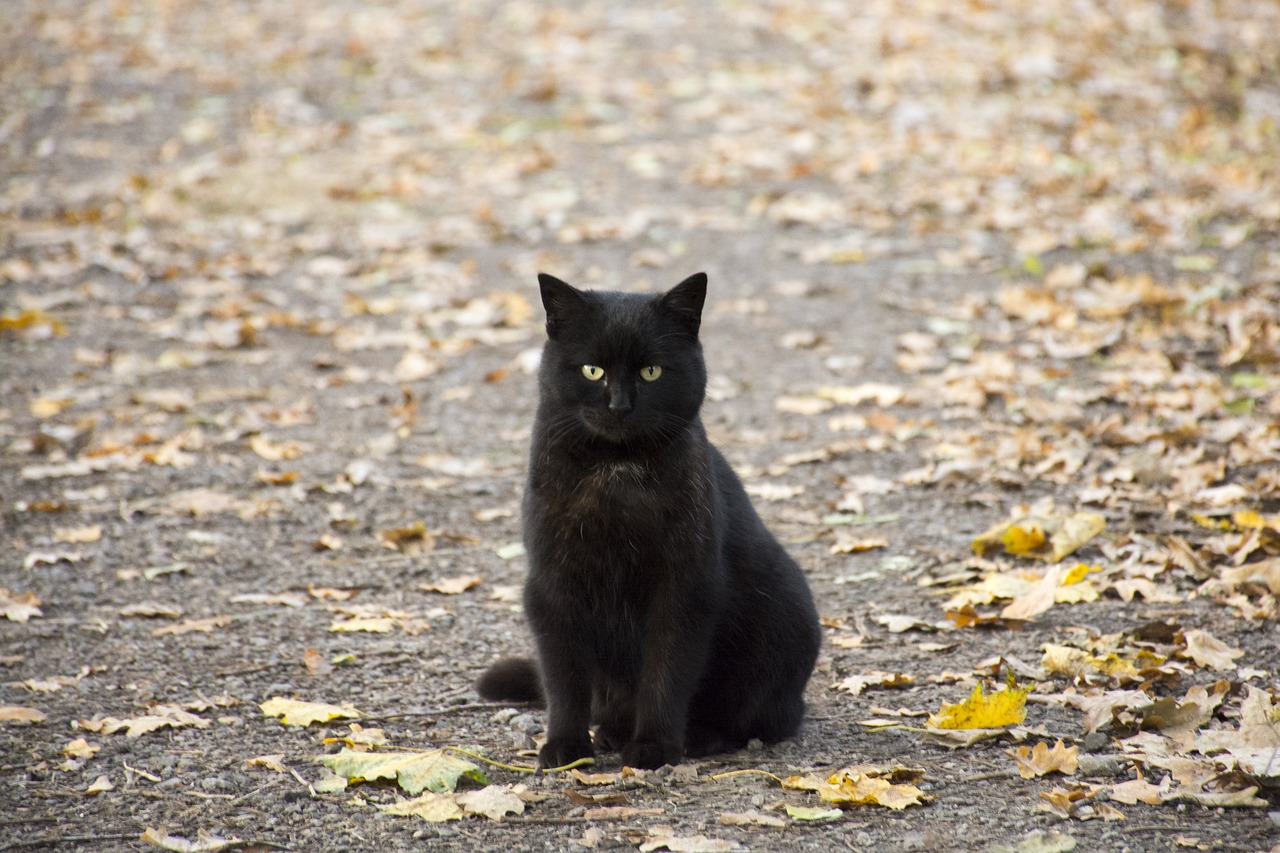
268	323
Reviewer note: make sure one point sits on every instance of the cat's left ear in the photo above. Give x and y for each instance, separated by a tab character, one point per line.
685	301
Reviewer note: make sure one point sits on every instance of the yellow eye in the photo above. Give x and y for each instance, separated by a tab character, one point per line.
650	373
595	374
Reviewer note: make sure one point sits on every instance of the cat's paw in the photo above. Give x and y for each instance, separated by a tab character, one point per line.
610	738
562	751
651	754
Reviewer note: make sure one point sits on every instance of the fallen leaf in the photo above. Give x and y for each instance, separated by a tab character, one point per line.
293	712
19	606
979	711
161	717
810	813
855	684
204	842
1136	791
752	818
78	535
1049	538
452	585
431	807
19	714
150	609
99	785
492	801
412	539
81	748
203	626
431	770
271	762
689	844
1043	759
1208	651
284	599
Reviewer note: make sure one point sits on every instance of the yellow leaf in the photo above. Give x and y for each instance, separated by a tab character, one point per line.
432	770
1043	759
1022	538
815	814
1079	573
1049	538
295	713
845	788
46	407
1002	708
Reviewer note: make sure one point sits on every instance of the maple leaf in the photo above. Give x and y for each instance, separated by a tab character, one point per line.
855	684
1043	759
293	712
19	606
979	711
435	770
491	801
863	785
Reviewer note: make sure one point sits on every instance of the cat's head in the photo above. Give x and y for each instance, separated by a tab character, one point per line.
625	368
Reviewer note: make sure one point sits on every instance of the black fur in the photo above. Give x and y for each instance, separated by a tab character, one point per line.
663	610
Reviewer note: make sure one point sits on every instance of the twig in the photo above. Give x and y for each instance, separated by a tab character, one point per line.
994	774
521	768
55	840
720	776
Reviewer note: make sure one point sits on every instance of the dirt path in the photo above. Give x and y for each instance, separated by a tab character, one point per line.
265	350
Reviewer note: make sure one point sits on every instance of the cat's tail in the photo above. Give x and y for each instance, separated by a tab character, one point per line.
511	680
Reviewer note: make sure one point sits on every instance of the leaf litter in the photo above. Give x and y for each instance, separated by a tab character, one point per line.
292	282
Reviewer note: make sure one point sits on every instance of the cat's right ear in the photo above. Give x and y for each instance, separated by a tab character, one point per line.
562	301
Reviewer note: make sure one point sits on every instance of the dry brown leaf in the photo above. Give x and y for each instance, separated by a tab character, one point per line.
19	714
19	606
1043	759
1208	651
452	585
188	626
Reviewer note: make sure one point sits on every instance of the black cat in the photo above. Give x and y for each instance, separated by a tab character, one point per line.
662	609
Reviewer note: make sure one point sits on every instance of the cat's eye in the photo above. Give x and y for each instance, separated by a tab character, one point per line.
650	373
595	374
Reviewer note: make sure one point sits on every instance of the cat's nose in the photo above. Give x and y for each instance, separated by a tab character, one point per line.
620	403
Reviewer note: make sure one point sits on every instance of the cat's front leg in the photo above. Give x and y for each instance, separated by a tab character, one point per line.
676	650
567	682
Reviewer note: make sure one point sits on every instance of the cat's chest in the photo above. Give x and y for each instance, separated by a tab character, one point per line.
612	487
